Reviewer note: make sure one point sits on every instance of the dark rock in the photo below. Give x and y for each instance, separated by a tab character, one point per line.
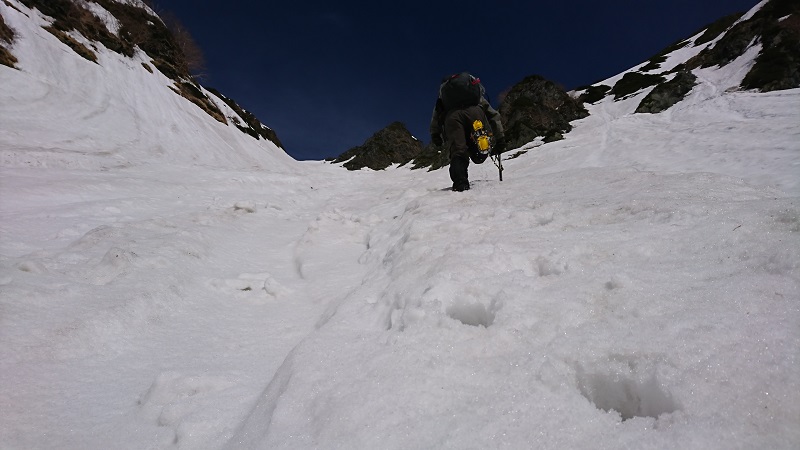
636	81
731	46
391	145
633	82
777	27
432	156
715	29
69	15
778	65
517	154
654	63
537	107
553	136
251	125
6	37
594	93
666	94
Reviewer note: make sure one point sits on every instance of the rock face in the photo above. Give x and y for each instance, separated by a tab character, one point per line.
249	123
391	145
778	65
775	26
6	38
633	82
666	94
431	157
538	107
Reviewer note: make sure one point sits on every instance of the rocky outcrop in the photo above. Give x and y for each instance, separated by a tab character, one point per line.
249	123
592	94
6	38
775	26
391	145
431	157
666	94
778	65
537	107
633	82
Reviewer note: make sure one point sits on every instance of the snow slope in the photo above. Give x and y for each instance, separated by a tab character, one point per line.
610	277
636	285
118	113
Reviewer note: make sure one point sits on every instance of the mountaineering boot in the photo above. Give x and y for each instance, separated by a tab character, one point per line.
458	173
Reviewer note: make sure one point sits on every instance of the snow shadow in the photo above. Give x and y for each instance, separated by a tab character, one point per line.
471	313
629	391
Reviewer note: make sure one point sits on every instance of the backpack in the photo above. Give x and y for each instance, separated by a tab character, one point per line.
460	90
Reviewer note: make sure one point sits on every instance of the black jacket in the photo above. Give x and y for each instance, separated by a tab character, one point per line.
439	113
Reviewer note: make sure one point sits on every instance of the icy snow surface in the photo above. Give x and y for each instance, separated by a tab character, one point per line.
166	281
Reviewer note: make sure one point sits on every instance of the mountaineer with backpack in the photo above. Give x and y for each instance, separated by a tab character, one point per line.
460	120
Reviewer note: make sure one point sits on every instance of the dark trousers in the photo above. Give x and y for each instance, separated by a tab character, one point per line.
458	131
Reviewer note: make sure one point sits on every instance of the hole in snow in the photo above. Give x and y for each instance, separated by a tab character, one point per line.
626	394
547	266
474	314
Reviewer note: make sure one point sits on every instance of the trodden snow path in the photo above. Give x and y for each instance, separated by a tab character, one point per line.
633	286
136	302
502	319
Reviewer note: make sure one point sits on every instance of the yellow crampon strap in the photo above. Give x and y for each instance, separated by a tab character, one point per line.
481	137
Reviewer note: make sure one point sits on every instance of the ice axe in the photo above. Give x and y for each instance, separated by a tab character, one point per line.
498	162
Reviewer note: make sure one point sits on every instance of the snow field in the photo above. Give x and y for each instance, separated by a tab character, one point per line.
643	273
627	300
128	269
608	296
169	282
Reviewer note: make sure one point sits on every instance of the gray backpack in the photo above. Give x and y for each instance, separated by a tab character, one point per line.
460	91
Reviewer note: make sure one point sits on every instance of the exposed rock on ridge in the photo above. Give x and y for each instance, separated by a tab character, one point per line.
391	145
666	94
775	26
537	107
6	38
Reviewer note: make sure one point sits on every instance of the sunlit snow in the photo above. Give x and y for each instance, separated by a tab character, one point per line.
167	281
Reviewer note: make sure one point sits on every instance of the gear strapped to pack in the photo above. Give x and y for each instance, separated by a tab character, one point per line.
481	137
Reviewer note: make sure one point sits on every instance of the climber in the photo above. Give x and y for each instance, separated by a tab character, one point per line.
459	120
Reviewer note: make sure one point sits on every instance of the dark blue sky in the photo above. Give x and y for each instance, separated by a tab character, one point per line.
327	75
